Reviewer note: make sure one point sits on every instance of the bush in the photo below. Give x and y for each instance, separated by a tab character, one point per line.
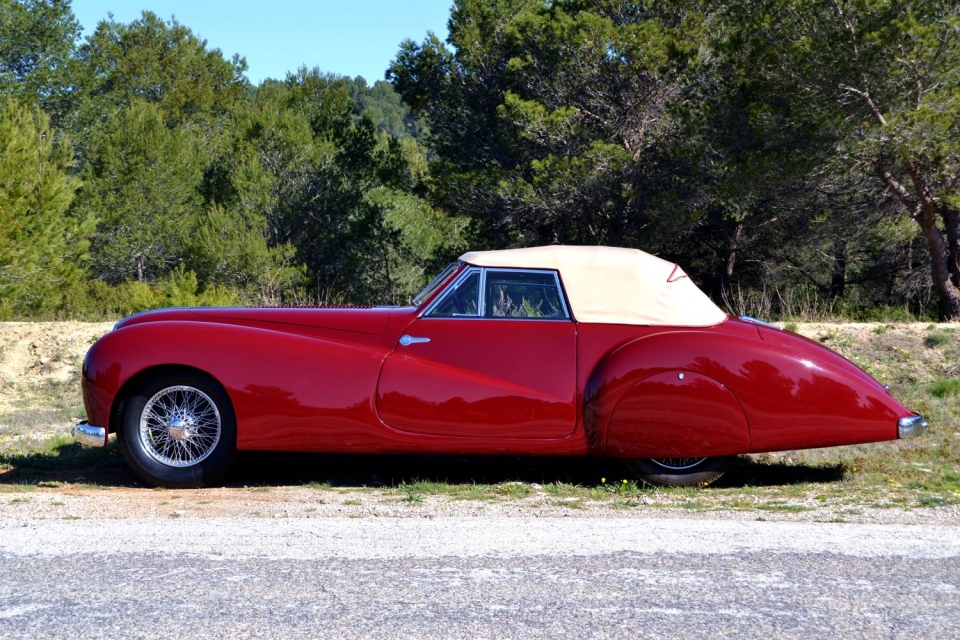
95	300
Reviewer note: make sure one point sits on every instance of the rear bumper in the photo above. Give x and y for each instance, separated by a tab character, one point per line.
89	435
911	427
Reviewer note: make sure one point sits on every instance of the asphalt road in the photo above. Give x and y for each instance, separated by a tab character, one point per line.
476	577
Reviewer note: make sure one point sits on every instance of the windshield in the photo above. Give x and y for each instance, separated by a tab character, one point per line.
436	282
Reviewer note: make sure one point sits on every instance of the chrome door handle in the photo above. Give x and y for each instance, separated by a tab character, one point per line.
406	340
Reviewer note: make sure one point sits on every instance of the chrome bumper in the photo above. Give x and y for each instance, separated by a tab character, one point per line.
89	435
911	427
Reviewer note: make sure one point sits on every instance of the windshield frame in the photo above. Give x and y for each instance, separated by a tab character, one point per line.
449	270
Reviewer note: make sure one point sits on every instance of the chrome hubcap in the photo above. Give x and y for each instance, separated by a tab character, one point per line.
180	426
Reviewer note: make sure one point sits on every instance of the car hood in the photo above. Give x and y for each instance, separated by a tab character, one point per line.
367	321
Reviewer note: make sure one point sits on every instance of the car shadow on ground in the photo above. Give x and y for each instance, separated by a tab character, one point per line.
395	470
71	463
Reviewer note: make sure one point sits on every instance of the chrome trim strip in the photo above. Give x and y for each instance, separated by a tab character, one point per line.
482	300
761	322
563	295
911	427
406	340
89	435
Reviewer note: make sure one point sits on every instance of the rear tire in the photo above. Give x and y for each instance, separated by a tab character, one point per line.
178	430
678	472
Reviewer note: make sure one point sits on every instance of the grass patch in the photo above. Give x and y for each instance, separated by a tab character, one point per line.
937	339
34	459
412	498
782	507
949	388
514	490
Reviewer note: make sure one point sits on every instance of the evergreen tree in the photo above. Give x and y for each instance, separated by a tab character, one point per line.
143	184
37	41
42	248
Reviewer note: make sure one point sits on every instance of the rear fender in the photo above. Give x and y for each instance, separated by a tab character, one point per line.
792	396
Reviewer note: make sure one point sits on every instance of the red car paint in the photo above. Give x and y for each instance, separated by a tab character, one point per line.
339	380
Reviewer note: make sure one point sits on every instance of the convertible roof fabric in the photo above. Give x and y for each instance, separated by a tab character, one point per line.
611	285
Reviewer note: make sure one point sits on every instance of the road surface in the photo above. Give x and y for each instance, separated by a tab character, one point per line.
476	577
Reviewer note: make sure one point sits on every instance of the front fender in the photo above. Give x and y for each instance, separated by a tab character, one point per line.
281	385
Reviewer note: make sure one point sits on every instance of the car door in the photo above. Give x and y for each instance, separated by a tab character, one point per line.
493	357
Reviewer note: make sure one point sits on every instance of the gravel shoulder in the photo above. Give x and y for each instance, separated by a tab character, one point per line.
78	502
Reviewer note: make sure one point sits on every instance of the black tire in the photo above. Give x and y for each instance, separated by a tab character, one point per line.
678	472
178	430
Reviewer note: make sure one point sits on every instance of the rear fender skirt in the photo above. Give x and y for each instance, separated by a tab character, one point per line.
677	414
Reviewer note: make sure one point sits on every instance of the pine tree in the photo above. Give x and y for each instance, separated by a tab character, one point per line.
42	248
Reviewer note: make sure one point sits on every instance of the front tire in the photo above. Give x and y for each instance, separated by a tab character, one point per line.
178	430
678	472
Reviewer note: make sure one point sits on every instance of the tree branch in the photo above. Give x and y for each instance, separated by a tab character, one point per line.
913	206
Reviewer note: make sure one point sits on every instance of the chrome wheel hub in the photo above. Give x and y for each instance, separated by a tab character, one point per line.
180	426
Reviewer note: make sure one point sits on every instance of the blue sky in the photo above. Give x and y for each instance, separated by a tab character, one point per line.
348	37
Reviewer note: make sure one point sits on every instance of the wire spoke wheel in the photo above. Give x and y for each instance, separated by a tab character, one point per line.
678	472
180	426
677	464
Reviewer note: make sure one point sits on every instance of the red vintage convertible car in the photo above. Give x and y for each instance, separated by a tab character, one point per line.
549	350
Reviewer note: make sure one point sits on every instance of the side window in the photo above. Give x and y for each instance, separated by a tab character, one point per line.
463	301
522	294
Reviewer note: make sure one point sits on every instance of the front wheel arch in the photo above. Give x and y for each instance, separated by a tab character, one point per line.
138	379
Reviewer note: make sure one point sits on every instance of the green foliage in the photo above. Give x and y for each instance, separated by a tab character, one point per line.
95	300
329	192
771	147
938	339
230	248
142	182
162	63
178	289
382	104
42	247
36	43
877	80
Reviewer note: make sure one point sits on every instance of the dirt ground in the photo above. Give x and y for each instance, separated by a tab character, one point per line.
39	397
35	356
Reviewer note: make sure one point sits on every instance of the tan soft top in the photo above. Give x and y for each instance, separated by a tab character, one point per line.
614	286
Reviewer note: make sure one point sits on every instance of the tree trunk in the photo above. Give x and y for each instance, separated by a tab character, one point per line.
944	252
951	222
838	280
940	249
731	245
